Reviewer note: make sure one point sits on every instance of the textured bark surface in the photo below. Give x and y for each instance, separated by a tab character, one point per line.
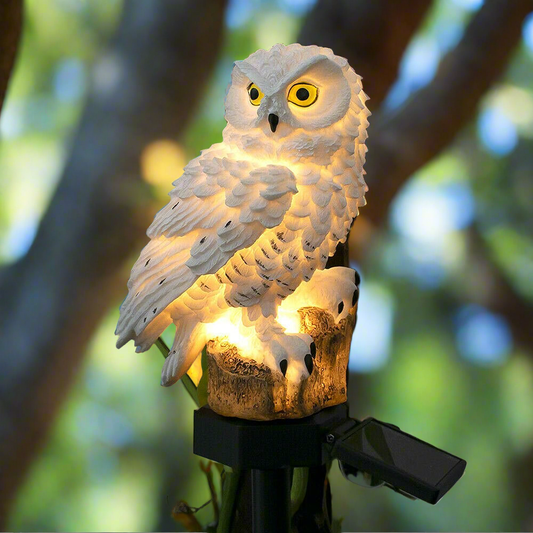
239	386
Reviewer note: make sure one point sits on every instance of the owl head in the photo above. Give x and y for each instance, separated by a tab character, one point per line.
290	87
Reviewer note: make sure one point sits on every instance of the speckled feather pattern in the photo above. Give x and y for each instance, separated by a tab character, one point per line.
249	220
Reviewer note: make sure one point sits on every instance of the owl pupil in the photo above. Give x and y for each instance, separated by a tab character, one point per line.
254	93
302	94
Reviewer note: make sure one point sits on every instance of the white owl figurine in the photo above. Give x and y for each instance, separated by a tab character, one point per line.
252	220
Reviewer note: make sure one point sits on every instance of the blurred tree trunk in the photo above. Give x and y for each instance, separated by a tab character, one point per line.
10	30
145	87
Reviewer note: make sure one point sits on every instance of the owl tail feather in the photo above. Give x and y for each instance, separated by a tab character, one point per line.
154	330
188	343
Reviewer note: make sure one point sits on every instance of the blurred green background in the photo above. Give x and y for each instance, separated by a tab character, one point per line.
426	356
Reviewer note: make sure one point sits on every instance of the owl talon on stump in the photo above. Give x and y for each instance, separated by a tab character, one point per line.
290	351
333	290
309	363
355	296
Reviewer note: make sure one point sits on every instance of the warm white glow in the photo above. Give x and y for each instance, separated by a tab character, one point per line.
226	328
195	371
289	319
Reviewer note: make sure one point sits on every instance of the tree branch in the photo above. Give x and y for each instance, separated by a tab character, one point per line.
371	34
145	87
401	143
10	30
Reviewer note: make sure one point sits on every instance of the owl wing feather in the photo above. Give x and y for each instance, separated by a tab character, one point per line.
218	207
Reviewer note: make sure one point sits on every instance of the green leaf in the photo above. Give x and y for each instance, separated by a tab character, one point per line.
229	492
299	488
202	386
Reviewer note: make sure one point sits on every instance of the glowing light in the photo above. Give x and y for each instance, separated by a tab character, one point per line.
195	371
289	319
162	162
227	328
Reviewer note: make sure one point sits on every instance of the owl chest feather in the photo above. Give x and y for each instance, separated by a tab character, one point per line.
318	217
285	256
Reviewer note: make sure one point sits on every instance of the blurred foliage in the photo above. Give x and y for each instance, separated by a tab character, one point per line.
120	455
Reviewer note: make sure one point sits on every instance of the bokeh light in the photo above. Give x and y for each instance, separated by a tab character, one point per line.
527	32
483	337
497	132
428	218
162	162
69	80
372	339
470	5
417	69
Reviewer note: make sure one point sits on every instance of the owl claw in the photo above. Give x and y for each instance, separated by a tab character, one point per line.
294	355
355	297
334	290
308	360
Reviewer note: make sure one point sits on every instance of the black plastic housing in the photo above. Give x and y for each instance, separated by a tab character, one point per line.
276	444
399	459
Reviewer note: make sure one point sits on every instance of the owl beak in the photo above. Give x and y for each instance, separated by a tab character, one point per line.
273	121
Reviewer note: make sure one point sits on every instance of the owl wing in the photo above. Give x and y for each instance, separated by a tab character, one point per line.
217	207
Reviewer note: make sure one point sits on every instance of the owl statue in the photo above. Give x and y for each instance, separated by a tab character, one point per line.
252	221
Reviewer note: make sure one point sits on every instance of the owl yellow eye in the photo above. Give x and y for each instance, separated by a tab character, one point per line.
255	94
303	94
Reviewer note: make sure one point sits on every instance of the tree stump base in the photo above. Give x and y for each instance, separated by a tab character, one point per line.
239	386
